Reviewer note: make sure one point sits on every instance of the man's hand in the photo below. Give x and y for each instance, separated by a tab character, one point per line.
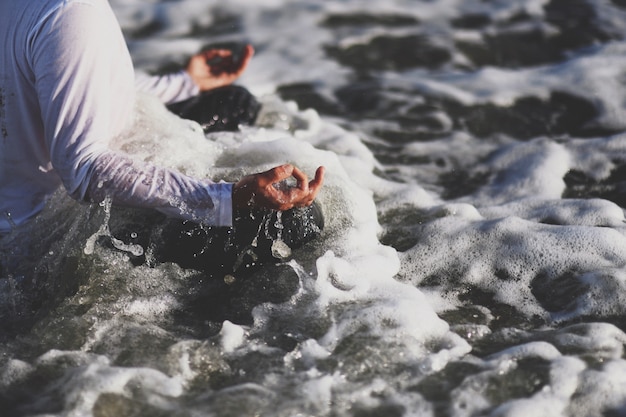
217	67
264	191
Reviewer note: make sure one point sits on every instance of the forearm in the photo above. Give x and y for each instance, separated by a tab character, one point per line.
131	183
169	88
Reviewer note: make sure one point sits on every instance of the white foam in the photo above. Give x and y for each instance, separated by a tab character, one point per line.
478	252
600	389
232	336
532	169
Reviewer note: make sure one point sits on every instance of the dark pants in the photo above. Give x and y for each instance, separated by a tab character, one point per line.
220	109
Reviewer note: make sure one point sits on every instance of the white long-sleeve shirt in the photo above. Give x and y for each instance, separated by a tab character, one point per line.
66	89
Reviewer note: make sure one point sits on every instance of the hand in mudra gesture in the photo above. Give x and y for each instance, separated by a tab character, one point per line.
263	190
217	67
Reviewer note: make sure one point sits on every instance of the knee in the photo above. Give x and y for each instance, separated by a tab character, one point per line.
294	227
220	109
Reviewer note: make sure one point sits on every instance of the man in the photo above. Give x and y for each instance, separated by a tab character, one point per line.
66	89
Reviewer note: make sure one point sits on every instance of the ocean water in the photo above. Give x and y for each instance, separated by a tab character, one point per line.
473	261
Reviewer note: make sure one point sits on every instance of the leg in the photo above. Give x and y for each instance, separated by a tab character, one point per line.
220	109
255	239
229	257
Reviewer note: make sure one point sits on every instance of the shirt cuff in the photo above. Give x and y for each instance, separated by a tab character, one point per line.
222	195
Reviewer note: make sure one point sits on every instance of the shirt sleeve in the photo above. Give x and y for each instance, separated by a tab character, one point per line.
132	183
169	88
85	85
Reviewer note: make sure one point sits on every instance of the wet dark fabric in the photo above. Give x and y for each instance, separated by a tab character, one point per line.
256	238
220	109
245	246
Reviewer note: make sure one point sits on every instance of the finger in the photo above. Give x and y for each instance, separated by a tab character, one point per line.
224	66
274	198
274	175
246	56
224	62
316	183
305	194
301	178
237	67
248	51
287	199
304	199
217	53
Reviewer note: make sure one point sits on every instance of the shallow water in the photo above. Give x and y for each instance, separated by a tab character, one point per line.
474	255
